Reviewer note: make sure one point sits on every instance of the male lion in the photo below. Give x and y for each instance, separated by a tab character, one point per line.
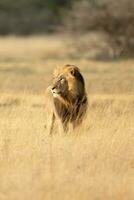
68	97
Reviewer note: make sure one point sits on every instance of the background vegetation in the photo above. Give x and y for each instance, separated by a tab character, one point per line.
32	16
112	20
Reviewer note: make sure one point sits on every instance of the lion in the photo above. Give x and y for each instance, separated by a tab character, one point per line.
68	99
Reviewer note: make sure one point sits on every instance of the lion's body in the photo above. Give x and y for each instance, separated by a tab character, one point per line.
68	97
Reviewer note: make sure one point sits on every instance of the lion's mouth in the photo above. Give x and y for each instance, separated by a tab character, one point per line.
55	93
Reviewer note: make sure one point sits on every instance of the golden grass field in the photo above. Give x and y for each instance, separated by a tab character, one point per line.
94	163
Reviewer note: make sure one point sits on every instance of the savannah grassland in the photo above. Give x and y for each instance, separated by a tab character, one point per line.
94	163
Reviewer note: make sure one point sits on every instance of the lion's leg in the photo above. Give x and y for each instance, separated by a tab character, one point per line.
76	123
65	126
52	124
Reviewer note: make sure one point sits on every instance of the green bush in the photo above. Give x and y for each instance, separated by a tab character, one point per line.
30	16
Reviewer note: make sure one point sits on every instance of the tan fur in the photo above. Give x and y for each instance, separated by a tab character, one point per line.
68	97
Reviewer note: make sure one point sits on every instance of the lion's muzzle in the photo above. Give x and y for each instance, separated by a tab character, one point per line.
55	92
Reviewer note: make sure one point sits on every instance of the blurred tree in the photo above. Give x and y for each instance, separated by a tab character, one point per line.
112	18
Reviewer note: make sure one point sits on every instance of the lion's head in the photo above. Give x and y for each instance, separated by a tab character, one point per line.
67	80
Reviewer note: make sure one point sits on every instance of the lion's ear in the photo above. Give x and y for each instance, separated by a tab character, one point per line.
73	71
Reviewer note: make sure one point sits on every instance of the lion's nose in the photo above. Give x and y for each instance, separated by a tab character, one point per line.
53	88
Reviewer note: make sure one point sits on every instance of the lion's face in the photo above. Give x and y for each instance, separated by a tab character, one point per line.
60	87
67	81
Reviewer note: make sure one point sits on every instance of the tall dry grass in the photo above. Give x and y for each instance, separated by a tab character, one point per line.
95	162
